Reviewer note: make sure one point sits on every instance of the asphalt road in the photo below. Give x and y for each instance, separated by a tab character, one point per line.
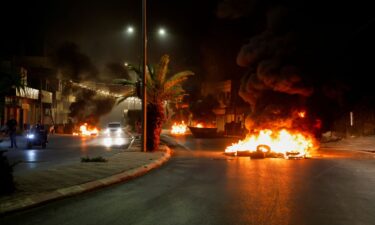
202	186
61	149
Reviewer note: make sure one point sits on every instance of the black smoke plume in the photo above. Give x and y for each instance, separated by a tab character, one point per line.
75	66
309	52
72	64
274	86
115	70
89	107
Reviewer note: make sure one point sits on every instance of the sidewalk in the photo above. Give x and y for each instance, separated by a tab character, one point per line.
361	144
39	187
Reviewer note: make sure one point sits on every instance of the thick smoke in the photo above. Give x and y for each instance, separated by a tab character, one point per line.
274	85
311	44
73	65
116	70
89	107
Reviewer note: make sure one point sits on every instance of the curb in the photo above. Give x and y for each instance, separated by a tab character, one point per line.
28	202
168	140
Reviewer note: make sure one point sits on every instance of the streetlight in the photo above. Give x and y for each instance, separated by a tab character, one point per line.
130	30
162	32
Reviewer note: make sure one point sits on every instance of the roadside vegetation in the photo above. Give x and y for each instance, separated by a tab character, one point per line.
94	159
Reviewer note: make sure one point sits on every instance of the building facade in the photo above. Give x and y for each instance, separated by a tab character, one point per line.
231	113
40	99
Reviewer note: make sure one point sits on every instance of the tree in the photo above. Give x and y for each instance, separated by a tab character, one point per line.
159	89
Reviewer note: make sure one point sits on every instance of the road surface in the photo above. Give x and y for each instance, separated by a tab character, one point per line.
200	185
61	149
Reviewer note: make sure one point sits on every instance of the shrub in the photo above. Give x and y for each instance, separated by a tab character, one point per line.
94	159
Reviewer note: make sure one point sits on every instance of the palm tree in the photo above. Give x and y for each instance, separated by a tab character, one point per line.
159	89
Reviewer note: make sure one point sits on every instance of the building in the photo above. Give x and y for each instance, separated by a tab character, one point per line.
231	110
41	98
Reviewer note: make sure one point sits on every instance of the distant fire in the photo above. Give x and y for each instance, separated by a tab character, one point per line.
85	130
282	143
302	114
179	128
203	125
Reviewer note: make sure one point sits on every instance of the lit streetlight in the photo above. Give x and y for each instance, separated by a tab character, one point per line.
130	30
161	32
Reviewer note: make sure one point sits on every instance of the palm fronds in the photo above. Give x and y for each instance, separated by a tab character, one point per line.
176	79
162	69
158	87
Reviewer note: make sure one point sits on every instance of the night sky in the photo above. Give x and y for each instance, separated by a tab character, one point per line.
326	42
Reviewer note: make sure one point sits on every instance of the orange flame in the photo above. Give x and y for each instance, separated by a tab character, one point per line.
204	125
179	129
84	130
281	142
302	114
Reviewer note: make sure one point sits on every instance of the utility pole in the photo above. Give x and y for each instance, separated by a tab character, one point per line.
144	93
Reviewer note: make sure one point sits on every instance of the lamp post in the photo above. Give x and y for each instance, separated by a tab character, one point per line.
144	65
161	32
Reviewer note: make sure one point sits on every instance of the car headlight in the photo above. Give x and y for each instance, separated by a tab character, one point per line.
30	136
119	131
106	131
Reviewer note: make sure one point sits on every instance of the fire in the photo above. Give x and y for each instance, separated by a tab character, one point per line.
282	142
302	114
203	125
179	129
85	130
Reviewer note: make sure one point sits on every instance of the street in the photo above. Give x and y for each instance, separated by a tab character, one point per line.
266	112
61	149
200	185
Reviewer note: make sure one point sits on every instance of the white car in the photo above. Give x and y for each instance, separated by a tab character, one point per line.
116	135
114	129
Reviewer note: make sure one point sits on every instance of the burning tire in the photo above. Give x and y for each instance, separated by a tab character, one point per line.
261	152
274	144
294	155
257	155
